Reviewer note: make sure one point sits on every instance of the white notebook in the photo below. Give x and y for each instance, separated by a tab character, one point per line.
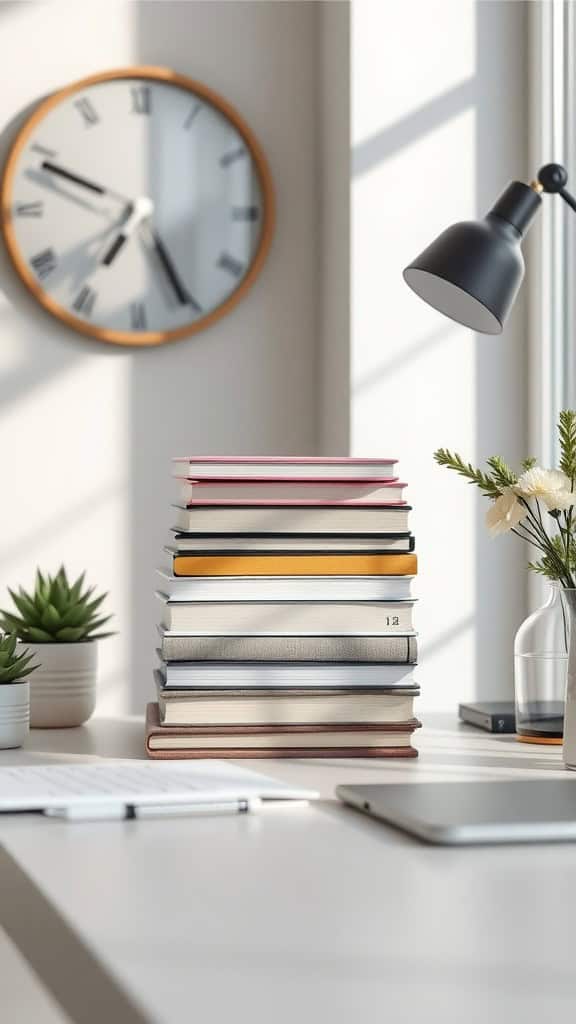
285	588
301	675
115	789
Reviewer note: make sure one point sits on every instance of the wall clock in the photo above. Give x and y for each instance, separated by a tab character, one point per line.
137	206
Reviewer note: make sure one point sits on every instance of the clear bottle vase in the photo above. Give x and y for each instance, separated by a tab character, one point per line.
569	751
541	668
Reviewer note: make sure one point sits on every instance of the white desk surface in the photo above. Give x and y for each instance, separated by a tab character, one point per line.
313	914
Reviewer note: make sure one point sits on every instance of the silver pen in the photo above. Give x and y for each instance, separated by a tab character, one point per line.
127	812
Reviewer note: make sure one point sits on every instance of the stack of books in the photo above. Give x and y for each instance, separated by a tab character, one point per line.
287	612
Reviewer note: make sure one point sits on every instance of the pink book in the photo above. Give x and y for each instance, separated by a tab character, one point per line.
268	467
290	492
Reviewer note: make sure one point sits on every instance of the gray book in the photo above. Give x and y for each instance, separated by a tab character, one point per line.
357	649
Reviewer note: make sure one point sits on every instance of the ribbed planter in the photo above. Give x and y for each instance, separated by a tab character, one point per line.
63	688
14	714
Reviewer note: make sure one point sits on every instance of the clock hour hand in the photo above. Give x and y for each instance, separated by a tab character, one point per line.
137	212
181	292
92	186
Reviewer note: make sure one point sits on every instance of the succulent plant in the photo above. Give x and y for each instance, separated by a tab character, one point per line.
56	612
13	667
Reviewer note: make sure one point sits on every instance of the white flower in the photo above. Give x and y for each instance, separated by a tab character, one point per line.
547	485
505	513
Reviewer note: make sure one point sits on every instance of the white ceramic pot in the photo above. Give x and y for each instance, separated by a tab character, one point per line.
63	688
14	714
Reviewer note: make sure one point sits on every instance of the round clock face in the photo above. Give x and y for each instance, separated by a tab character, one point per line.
137	206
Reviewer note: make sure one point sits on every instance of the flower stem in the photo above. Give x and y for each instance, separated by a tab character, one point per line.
542	540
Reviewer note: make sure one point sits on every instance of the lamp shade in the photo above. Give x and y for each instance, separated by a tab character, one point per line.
473	270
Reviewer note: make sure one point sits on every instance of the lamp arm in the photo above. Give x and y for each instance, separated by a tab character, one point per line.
553	178
568	198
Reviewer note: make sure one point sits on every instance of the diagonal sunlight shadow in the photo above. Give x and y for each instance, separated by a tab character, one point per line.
36	538
372	151
44	356
442	639
374	376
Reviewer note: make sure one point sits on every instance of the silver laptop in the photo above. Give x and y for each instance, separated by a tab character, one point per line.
453	813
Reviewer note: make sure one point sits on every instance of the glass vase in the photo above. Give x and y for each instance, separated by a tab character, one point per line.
540	671
569	751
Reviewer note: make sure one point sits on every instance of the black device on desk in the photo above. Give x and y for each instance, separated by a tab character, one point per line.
492	716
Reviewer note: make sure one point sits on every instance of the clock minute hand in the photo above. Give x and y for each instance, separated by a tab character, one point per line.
182	294
92	186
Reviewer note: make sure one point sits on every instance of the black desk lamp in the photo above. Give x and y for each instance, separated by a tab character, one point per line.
473	270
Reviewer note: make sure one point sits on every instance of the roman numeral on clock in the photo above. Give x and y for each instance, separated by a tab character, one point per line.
44	263
138	316
141	99
35	209
43	150
191	116
85	107
245	213
230	264
232	156
84	301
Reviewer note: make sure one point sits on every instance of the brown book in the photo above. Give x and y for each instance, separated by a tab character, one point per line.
371	741
273	564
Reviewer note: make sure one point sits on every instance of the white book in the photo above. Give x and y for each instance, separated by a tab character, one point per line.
306	519
199	467
295	492
279	618
213	675
285	588
236	543
273	708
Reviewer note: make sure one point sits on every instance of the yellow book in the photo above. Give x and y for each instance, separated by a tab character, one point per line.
328	564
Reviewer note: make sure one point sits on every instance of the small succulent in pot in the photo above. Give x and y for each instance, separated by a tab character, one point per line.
14	692
57	612
14	665
59	620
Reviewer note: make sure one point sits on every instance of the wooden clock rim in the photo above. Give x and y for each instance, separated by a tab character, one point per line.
131	337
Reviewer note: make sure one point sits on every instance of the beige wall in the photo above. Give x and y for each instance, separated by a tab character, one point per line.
329	352
86	431
335	164
439	128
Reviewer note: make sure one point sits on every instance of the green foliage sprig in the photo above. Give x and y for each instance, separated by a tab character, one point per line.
526	507
567	436
502	475
13	667
57	611
474	476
